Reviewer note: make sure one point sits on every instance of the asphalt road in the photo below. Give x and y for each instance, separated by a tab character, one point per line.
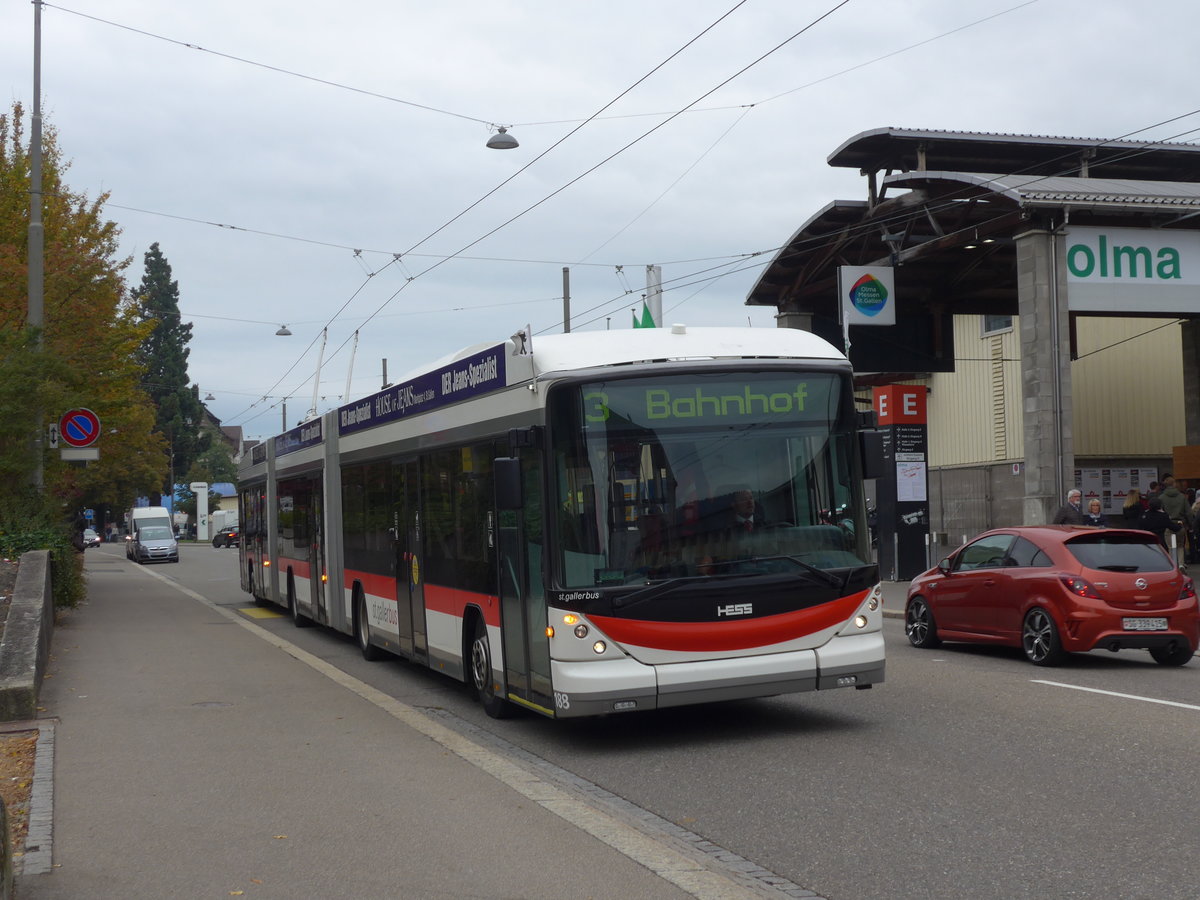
969	773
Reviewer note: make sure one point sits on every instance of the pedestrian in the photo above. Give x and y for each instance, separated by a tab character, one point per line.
1158	522
1094	516
1196	530
1151	492
1133	508
1070	512
1175	505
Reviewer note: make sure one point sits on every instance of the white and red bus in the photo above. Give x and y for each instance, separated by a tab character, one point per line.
590	523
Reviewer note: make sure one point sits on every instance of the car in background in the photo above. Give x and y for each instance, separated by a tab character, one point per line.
1058	589
154	543
227	537
90	538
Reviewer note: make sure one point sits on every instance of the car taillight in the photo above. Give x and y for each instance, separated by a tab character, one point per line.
1080	587
1188	591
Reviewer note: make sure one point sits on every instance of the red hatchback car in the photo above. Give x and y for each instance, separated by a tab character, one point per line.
1058	589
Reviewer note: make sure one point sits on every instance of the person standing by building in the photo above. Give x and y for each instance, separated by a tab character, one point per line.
1094	515
1151	492
1133	508
1158	523
1176	506
1070	512
1196	529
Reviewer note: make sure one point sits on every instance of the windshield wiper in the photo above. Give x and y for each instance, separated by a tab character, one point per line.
837	581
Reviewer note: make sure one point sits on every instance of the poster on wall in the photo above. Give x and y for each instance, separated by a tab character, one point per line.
1111	485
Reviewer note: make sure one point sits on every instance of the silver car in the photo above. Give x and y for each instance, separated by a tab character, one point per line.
154	543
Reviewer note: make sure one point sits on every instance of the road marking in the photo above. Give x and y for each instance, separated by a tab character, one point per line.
689	874
1076	687
257	612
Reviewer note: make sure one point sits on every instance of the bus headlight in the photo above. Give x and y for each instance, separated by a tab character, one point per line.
581	631
873	604
599	647
860	621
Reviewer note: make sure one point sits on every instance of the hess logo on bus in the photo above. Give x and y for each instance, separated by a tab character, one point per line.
736	609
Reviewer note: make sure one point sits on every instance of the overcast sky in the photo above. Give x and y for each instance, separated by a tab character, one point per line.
259	185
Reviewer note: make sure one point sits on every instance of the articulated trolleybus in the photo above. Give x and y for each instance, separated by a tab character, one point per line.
598	522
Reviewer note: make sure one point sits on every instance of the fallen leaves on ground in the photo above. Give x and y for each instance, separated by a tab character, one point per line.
18	750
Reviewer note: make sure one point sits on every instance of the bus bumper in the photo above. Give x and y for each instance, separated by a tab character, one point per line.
625	685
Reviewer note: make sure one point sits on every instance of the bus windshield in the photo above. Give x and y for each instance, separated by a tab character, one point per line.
706	474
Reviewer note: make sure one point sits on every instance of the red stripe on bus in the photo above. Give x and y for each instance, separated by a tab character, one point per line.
300	567
450	601
453	602
730	634
375	585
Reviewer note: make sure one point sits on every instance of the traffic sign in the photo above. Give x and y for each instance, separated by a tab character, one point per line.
79	427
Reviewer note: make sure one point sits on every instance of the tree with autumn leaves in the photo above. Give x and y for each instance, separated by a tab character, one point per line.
91	349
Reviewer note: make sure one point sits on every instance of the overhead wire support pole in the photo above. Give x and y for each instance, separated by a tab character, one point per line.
566	300
350	368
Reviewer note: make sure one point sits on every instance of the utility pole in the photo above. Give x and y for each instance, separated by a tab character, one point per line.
37	236
654	294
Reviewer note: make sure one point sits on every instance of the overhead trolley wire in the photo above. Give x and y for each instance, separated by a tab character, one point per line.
602	162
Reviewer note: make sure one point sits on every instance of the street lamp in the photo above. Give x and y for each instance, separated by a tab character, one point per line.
502	140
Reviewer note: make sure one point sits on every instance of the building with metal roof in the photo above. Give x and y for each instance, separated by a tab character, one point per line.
999	304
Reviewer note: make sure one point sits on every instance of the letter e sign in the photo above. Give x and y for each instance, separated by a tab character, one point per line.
900	404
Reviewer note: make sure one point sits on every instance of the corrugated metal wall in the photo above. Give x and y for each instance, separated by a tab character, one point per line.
975	412
1127	393
1127	385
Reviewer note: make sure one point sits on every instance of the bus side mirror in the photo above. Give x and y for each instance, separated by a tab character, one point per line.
871	445
507	471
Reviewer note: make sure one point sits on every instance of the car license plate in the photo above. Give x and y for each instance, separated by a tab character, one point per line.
1144	624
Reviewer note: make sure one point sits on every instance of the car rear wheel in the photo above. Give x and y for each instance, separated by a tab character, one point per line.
919	624
1039	639
1171	656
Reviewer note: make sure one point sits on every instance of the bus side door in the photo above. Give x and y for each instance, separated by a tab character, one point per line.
410	590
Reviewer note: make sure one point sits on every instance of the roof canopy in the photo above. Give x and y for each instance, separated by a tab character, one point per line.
944	208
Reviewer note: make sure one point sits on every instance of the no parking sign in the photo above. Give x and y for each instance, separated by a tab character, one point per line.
79	427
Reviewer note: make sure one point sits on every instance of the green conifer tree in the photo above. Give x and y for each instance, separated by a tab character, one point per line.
163	356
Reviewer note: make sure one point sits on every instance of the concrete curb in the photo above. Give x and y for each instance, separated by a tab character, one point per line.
26	645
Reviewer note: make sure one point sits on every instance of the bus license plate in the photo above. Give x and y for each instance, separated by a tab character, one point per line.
1144	624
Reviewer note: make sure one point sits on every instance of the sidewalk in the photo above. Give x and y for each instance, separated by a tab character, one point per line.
894	595
193	758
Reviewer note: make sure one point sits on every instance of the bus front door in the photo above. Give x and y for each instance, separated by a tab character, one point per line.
522	598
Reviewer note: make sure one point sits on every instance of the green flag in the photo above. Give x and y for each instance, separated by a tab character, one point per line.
647	320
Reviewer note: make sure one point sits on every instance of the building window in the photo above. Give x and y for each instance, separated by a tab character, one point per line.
993	324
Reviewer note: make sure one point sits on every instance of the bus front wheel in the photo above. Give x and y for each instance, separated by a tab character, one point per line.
482	682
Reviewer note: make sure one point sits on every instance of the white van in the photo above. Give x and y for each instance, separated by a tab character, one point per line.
140	516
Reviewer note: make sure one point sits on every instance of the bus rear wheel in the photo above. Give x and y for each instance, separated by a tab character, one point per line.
482	682
362	629
299	619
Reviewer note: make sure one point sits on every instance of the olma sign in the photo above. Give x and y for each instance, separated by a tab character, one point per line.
1120	270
